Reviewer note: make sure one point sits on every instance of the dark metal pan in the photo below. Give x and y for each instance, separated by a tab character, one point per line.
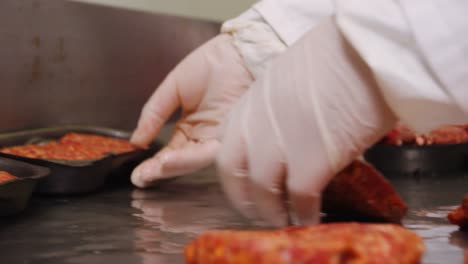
421	160
74	177
15	194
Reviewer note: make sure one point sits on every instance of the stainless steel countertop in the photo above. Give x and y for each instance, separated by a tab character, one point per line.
121	224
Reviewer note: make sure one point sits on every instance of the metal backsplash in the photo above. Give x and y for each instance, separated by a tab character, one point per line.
74	63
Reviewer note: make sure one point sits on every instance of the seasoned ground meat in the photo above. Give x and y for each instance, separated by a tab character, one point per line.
6	177
324	244
360	190
73	146
451	134
459	216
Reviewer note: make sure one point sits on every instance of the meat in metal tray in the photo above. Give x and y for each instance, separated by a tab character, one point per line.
75	177
414	159
15	194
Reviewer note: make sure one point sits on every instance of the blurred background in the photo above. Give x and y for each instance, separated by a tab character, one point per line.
95	62
218	10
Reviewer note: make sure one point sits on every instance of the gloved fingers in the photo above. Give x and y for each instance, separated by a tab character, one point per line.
304	206
147	173
267	169
182	155
155	113
153	169
232	168
179	137
191	157
267	192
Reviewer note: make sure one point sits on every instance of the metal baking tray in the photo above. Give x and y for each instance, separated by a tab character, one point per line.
15	194
423	160
75	177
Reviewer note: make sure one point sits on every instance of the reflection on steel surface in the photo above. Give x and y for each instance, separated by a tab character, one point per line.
121	225
65	62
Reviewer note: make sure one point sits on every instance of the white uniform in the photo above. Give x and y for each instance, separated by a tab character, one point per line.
417	50
310	112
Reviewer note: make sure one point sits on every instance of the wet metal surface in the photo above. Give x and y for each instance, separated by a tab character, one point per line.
429	201
124	225
117	225
68	62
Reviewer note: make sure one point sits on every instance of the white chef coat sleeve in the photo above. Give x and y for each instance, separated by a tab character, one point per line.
418	52
291	19
265	30
255	40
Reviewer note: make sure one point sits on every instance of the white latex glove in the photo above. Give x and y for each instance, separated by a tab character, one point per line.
315	110
205	85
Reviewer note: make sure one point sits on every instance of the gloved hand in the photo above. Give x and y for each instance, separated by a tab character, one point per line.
315	110
205	85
